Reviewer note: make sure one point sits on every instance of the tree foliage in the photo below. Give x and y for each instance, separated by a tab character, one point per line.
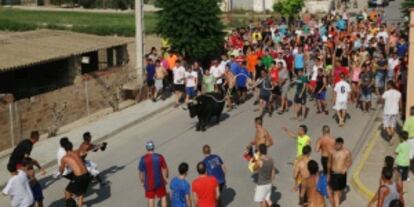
288	8
192	27
406	5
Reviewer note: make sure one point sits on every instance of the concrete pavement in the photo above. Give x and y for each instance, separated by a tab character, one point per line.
175	137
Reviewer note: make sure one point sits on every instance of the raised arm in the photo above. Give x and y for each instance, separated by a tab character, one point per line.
289	133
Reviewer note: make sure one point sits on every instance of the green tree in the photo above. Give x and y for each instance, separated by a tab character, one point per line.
406	5
192	27
288	8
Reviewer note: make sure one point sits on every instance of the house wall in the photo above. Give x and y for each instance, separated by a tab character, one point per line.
90	93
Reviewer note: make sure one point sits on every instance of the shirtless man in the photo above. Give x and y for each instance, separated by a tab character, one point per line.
262	135
81	178
300	171
309	186
339	162
325	145
229	83
84	148
160	74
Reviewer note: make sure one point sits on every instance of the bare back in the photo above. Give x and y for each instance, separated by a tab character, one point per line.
75	163
326	145
341	161
315	199
303	168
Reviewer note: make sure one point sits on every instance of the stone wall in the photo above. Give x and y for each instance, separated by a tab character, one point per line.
47	112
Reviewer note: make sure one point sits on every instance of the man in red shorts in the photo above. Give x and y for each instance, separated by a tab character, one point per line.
153	173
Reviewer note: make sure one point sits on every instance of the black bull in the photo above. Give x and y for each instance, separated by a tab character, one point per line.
206	106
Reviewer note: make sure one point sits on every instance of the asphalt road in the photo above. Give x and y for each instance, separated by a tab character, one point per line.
175	137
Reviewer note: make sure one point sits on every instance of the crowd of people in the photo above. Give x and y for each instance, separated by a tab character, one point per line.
360	60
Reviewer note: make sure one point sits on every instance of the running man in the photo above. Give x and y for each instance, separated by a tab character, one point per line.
215	167
301	137
325	145
153	174
23	150
310	195
320	92
18	188
84	149
341	95
339	162
81	178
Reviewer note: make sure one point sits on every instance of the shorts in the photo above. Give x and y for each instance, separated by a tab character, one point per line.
300	100
313	83
379	82
79	184
37	192
321	96
284	90
157	193
390	121
191	92
179	88
242	89
276	91
403	172
159	84
366	97
263	193
265	97
324	162
341	105
150	83
337	182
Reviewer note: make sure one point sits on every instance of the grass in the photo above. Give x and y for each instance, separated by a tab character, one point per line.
122	24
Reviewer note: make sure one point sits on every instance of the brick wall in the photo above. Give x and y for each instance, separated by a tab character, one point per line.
89	93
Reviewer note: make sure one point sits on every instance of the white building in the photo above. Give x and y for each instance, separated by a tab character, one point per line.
251	5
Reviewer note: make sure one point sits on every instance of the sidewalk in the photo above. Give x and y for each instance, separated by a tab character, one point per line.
106	127
367	177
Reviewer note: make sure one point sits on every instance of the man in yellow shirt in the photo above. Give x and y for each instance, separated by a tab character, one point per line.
301	137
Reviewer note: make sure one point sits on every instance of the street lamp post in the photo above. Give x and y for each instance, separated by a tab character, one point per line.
410	78
139	41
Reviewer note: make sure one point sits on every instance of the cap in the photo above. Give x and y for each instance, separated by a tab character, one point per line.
150	145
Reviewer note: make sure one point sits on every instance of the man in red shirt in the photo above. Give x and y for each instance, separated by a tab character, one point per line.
205	188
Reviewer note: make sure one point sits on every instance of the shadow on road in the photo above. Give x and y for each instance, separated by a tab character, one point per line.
275	196
227	196
101	192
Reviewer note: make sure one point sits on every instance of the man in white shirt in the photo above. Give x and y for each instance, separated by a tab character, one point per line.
179	82
191	82
341	93
18	189
392	103
217	71
393	61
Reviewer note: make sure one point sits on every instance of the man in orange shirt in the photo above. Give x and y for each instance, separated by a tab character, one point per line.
171	60
205	188
251	60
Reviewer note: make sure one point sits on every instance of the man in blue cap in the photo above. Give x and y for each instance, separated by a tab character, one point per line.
153	174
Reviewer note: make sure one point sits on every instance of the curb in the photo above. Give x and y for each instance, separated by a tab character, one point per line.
49	164
356	181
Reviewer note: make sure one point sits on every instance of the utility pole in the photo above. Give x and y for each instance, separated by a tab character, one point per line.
139	41
410	78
